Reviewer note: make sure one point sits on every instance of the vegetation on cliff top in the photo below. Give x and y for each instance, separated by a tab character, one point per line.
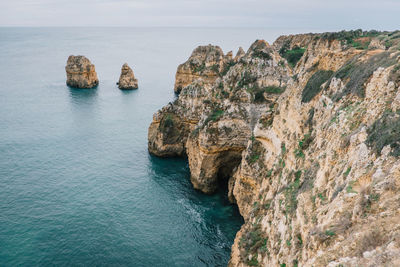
258	92
260	50
356	73
291	55
215	115
313	86
385	131
262	54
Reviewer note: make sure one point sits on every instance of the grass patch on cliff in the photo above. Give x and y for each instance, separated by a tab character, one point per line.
215	68
330	233
360	43
291	55
261	54
349	37
299	153
313	86
169	121
253	242
305	142
290	194
171	128
257	152
258	92
385	132
199	68
227	67
246	79
214	116
355	73
303	145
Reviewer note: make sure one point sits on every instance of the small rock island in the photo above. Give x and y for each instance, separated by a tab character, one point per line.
81	72
127	80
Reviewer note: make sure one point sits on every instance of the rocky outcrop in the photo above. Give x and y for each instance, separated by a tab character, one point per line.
205	62
306	132
127	80
214	132
81	73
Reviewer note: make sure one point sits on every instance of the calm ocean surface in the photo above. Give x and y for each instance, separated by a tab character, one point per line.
77	185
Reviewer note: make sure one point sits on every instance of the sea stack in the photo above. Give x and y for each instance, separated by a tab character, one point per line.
81	72
127	79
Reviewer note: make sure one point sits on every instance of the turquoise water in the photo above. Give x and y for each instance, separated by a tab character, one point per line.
77	185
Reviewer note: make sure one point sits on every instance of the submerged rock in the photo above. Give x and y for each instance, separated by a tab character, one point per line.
81	72
127	79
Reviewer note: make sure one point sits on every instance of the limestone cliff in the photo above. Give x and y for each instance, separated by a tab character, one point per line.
207	62
81	72
307	131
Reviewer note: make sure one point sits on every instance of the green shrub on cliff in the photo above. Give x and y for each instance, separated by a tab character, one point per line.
169	121
385	132
347	36
258	92
290	194
214	116
291	55
257	153
262	54
246	79
357	73
227	67
251	243
361	44
313	86
215	68
358	39
303	145
199	68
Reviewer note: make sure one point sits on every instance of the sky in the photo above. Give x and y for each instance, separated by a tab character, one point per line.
318	15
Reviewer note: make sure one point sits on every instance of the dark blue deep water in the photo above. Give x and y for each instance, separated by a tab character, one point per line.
77	185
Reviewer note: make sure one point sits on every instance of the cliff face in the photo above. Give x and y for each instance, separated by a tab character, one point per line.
81	72
206	62
308	133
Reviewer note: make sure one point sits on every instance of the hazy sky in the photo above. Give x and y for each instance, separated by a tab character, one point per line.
292	14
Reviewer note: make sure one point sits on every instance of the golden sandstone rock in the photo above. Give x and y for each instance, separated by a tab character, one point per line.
205	62
127	79
81	73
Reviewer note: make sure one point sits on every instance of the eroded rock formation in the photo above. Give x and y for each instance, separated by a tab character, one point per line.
308	133
127	80
81	73
205	62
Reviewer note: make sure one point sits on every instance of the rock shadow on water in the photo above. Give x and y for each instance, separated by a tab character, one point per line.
173	175
128	92
83	96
